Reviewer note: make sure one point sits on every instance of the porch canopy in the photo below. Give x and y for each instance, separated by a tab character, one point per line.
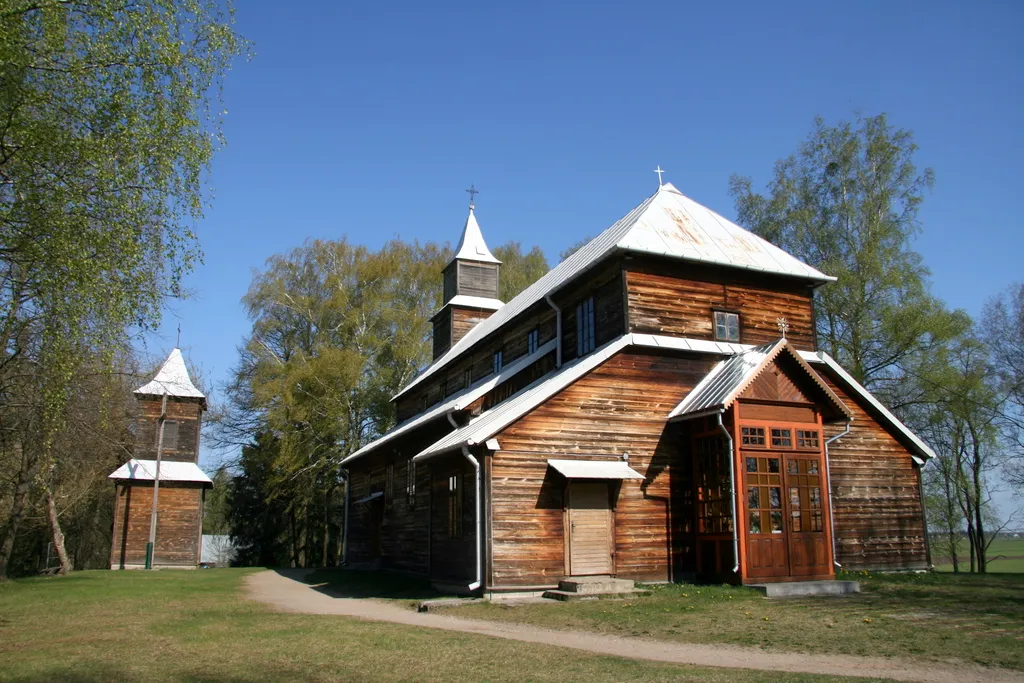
730	378
594	469
145	470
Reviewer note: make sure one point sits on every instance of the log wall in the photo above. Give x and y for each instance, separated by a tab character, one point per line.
680	299
876	495
179	524
187	413
619	407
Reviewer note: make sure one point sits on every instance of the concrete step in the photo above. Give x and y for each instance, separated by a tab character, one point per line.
570	596
799	589
595	585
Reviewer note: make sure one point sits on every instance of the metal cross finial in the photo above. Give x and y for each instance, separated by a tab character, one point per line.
783	326
178	345
473	192
659	171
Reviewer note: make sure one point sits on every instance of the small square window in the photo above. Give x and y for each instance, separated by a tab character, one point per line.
532	340
727	326
753	436
497	361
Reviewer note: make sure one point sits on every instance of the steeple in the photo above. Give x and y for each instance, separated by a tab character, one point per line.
470	286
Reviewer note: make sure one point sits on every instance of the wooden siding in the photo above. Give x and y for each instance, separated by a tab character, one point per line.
511	340
680	300
619	407
876	495
178	531
478	279
609	312
442	335
187	413
452	558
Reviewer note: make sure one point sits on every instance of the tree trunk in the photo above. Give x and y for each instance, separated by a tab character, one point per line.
978	494
58	535
18	506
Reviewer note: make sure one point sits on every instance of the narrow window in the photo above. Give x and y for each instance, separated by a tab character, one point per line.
469	377
455	506
531	340
585	329
389	485
727	326
410	482
170	435
497	361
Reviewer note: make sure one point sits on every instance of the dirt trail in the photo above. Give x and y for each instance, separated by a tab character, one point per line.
288	593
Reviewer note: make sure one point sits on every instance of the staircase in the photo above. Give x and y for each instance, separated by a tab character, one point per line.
593	588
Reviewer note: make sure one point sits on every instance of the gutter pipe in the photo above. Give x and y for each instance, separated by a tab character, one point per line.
479	519
828	473
732	487
558	330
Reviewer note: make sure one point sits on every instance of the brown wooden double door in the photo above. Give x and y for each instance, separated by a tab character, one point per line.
785	503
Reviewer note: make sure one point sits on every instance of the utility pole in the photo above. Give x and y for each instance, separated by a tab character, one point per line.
150	546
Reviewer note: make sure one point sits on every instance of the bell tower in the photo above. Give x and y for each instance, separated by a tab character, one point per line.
470	287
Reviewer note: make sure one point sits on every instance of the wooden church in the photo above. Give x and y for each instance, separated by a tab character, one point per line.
654	408
167	426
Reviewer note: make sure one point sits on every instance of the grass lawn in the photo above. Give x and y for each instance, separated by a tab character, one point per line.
924	616
198	626
1005	555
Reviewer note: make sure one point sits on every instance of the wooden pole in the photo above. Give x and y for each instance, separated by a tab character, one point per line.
156	486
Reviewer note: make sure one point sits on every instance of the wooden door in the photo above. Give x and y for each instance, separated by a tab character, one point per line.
806	513
767	547
590	529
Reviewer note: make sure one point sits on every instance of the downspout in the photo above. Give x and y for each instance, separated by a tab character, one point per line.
479	520
732	487
828	473
558	330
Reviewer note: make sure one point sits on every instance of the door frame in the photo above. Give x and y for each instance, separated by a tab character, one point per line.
742	510
613	486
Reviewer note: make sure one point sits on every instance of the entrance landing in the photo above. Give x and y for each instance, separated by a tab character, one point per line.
799	589
592	588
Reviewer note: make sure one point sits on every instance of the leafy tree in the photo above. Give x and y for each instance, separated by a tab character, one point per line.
216	512
1002	327
109	116
847	203
519	270
573	248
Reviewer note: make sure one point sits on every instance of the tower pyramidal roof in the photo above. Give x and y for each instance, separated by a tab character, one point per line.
172	380
472	246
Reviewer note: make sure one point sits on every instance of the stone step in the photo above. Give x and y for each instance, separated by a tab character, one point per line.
799	589
595	585
570	596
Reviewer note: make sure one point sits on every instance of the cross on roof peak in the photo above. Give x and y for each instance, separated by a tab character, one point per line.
659	171
473	192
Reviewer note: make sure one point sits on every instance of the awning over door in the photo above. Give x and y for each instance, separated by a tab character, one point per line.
366	499
594	469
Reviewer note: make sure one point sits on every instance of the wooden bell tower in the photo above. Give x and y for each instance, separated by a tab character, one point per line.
470	287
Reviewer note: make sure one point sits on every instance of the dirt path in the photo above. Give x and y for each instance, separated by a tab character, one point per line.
288	593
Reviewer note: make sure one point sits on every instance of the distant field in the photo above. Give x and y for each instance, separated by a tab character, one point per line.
1005	555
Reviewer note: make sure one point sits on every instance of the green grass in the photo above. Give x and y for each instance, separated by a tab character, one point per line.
922	616
1005	555
199	626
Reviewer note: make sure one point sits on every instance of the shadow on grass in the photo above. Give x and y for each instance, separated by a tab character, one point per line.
353	583
105	674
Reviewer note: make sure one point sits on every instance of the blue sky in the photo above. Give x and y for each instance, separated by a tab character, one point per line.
369	119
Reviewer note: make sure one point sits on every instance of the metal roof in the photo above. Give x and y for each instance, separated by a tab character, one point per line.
475	302
494	420
145	470
456	401
732	376
667	224
172	380
594	469
924	451
472	246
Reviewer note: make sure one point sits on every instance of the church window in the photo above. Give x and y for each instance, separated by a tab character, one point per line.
497	361
469	377
585	327
170	435
531	340
410	482
455	506
389	484
727	326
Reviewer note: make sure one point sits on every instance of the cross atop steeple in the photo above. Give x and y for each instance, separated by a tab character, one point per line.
659	171
473	192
